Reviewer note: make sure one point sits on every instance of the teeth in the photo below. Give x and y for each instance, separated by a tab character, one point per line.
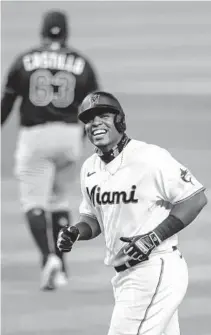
99	132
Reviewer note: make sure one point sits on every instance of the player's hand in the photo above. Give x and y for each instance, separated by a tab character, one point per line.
139	247
67	237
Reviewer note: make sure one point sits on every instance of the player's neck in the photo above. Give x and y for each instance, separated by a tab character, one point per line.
54	45
115	151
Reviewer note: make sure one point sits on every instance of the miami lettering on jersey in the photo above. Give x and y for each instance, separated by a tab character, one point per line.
107	197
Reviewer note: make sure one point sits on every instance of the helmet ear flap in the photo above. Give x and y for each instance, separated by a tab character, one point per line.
119	122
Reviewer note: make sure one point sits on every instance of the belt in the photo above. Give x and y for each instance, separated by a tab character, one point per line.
132	263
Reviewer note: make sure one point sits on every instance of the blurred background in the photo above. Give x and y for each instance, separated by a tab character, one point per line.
155	56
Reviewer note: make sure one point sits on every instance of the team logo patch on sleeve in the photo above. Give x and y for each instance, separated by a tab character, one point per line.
186	176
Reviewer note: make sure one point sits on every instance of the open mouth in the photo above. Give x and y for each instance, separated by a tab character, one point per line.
98	132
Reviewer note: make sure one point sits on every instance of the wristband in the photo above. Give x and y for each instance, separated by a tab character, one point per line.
170	226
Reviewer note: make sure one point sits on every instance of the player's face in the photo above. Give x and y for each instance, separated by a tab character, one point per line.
102	131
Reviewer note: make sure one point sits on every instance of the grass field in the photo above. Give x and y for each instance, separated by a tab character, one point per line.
178	120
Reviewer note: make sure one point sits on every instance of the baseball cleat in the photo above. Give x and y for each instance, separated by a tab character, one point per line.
60	279
50	271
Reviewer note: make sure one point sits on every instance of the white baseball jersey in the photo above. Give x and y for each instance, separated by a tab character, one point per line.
133	193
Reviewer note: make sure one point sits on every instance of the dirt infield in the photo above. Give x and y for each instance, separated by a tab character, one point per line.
175	116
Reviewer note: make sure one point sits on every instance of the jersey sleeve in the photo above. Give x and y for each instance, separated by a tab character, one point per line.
85	205
175	183
12	82
10	90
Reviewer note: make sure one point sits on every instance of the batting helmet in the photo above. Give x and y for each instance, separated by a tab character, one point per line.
54	25
96	101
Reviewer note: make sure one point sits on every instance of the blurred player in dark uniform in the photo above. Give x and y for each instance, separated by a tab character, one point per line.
52	80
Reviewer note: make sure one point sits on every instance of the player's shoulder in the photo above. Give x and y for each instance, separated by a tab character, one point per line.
89	163
74	52
18	59
30	50
16	63
79	54
148	152
81	60
145	147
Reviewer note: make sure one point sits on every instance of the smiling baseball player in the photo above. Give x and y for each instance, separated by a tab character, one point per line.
139	197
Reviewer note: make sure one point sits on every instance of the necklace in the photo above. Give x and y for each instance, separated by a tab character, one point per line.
114	154
108	156
112	173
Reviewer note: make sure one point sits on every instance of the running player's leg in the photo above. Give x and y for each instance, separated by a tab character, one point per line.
35	178
65	159
60	202
35	175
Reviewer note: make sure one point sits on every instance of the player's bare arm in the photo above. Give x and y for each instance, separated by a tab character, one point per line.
87	228
181	215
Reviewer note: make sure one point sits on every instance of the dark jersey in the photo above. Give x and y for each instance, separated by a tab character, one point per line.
52	82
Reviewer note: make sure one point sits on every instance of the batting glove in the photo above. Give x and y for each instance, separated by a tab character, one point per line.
67	237
139	247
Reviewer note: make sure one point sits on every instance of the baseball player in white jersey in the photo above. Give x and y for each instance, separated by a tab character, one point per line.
139	197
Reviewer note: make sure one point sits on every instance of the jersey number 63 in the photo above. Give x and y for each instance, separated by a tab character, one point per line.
58	89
